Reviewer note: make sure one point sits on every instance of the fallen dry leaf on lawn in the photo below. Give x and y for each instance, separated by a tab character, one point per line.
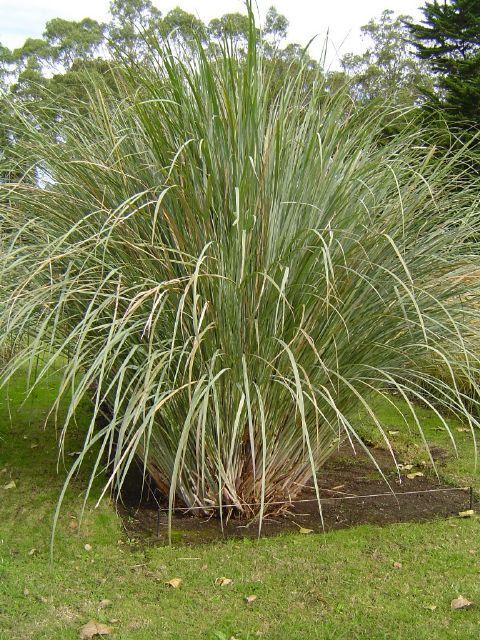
466	514
32	552
88	547
405	467
304	531
250	599
394	433
397	565
301	529
94	628
339	486
103	604
223	581
73	525
460	603
34	445
10	485
415	474
174	582
462	429
430	607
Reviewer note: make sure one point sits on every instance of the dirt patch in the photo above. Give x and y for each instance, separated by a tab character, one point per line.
352	492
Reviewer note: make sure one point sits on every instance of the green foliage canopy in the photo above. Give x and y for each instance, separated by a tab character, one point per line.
449	39
387	69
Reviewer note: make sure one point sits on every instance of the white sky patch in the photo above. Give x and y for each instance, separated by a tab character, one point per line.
341	19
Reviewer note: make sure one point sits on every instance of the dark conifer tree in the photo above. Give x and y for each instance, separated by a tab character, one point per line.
449	39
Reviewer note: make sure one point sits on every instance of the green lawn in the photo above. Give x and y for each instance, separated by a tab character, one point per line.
343	585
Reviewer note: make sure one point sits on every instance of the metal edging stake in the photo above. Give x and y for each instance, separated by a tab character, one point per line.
159	509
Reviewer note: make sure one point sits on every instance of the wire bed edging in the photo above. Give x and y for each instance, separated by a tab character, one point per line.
161	510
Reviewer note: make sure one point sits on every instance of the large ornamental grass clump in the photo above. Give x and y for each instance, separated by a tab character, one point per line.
236	274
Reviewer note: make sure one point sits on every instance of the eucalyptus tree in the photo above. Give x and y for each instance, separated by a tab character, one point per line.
275	26
183	27
70	41
6	61
132	21
388	68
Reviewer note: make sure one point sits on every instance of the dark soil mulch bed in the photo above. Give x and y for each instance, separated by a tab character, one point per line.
344	476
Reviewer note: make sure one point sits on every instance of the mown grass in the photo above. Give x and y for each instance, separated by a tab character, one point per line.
342	585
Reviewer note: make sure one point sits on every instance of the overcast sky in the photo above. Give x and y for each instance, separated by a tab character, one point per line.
20	19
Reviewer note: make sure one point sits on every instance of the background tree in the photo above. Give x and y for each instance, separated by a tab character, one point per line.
276	27
5	65
182	26
388	67
70	40
31	62
233	26
132	21
449	40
